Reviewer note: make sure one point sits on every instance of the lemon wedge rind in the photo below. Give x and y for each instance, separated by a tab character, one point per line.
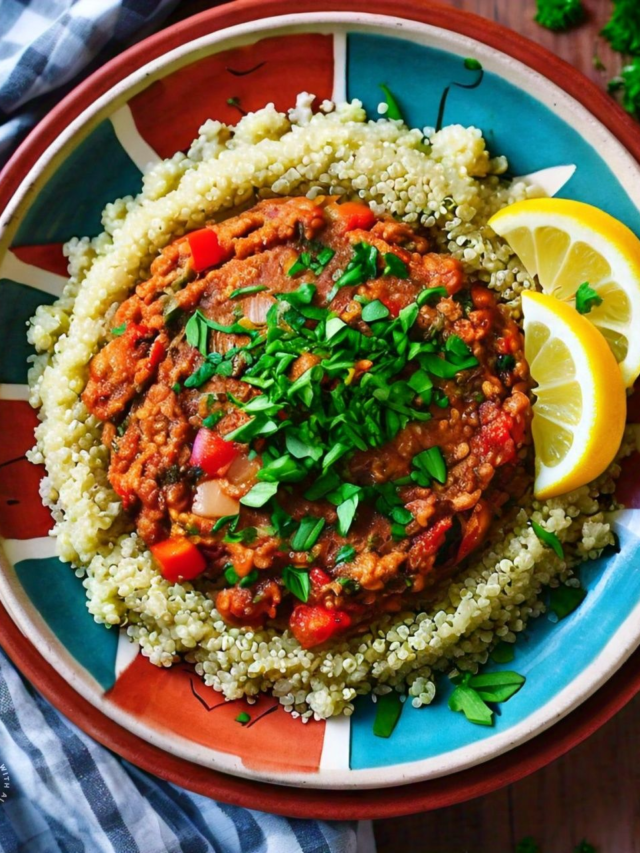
580	409
564	243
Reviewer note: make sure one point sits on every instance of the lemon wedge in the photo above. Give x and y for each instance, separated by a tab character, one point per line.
580	409
565	243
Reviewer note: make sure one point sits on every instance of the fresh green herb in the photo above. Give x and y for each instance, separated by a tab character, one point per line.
503	653
231	576
587	298
374	311
249	580
362	267
527	845
176	388
346	554
388	710
308	261
584	847
259	494
192	530
393	109
349	585
307	533
197	332
297	582
211	420
559	15
122	427
119	330
496	686
548	538
622	31
431	462
472	64
563	599
467	701
231	520
431	295
598	64
629	84
247	291
243	718
504	363
245	536
393	265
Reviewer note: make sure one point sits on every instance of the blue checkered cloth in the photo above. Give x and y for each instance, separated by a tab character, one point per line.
60	792
47	46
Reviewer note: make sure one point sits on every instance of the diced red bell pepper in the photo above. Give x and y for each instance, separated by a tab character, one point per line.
314	625
319	578
429	543
206	250
494	441
179	559
354	214
156	353
211	452
475	530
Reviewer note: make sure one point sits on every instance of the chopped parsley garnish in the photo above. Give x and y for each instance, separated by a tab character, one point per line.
231	576
503	653
431	465
259	494
504	363
393	265
243	717
393	109
472	693
119	330
472	64
309	261
559	15
211	420
431	295
346	554
297	582
307	533
361	387
176	388
247	291
388	710
362	267
250	579
373	311
231	520
548	538
563	599
587	298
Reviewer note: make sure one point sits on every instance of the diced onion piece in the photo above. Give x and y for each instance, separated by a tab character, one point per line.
256	308
211	501
243	471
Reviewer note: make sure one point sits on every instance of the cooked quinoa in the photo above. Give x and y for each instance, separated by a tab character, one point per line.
444	181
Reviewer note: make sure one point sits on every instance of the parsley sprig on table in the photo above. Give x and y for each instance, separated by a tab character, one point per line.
360	388
559	14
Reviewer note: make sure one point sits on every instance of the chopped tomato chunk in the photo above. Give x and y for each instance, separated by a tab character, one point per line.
354	214
157	353
314	625
206	250
179	559
494	440
211	452
319	578
433	538
393	303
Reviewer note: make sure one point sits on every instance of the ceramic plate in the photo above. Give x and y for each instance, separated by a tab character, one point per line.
94	152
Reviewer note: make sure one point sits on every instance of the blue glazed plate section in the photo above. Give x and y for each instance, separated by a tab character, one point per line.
549	655
19	303
70	204
513	122
59	597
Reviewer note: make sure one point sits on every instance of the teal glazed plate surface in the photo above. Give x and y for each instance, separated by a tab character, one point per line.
93	151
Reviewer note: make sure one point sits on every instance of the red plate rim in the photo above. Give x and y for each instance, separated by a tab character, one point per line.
313	802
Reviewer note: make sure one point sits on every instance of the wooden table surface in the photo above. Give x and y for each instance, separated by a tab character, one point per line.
593	792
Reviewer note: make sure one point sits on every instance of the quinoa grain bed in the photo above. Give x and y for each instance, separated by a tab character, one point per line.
445	182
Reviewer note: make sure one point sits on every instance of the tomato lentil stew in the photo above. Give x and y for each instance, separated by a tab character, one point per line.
312	413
